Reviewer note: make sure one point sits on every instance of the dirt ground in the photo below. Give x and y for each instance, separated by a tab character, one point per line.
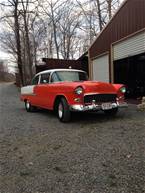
92	154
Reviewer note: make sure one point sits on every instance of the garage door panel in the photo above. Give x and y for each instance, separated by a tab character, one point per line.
101	68
129	47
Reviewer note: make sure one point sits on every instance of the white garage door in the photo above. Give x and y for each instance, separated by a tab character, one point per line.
130	47
101	68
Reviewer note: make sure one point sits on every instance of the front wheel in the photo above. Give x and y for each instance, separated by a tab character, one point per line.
63	111
111	112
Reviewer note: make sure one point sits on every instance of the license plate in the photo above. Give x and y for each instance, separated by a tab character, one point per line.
106	106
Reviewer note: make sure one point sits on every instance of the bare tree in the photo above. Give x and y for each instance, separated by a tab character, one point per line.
25	15
95	14
20	20
51	28
3	67
52	10
14	46
68	26
37	35
18	41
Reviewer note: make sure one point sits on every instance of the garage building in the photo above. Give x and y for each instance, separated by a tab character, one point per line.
118	53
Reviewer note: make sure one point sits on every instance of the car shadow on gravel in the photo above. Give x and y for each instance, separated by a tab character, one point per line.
43	112
83	117
93	117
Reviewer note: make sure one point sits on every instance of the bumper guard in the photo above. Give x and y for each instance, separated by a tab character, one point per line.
96	107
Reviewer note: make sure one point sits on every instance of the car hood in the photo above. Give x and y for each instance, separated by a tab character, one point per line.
94	86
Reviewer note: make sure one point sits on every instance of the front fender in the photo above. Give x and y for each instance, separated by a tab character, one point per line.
119	93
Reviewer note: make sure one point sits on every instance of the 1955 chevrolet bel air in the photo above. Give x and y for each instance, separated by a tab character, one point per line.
67	90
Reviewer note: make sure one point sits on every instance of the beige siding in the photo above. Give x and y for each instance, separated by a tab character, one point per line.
130	47
101	68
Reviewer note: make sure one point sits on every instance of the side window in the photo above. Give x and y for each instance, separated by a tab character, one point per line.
35	80
45	78
54	77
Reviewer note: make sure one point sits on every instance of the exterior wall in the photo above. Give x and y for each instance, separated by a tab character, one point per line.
127	21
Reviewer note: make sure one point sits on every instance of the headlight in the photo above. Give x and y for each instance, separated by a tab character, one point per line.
123	89
79	90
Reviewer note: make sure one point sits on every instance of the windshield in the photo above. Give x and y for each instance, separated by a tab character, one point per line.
70	76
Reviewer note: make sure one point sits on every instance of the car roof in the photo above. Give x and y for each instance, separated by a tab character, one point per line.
57	70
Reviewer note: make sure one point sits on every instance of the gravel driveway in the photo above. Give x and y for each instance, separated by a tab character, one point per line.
92	154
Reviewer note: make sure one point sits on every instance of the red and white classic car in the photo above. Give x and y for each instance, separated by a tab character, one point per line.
67	90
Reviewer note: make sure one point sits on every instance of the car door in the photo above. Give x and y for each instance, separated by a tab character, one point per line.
43	91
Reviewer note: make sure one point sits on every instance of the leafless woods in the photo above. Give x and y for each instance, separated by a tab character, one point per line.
32	29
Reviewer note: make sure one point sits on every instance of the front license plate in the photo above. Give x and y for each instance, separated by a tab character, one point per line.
106	106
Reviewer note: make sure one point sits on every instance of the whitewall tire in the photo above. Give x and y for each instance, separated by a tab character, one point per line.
63	111
29	107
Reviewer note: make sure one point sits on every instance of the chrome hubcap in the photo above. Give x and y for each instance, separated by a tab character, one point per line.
60	110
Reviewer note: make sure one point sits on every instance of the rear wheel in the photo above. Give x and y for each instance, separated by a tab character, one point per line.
29	107
111	112
63	112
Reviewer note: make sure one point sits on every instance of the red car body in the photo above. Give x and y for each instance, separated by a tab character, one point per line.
71	91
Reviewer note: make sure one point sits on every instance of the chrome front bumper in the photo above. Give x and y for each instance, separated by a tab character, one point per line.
96	107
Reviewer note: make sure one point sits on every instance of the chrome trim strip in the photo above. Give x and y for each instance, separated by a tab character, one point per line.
90	94
98	94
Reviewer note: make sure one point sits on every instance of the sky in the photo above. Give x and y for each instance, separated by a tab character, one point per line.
4	55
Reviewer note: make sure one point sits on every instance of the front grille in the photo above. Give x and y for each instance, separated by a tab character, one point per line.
100	98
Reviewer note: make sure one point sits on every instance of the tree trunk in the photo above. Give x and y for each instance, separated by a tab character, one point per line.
29	55
109	2
54	31
18	44
99	15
